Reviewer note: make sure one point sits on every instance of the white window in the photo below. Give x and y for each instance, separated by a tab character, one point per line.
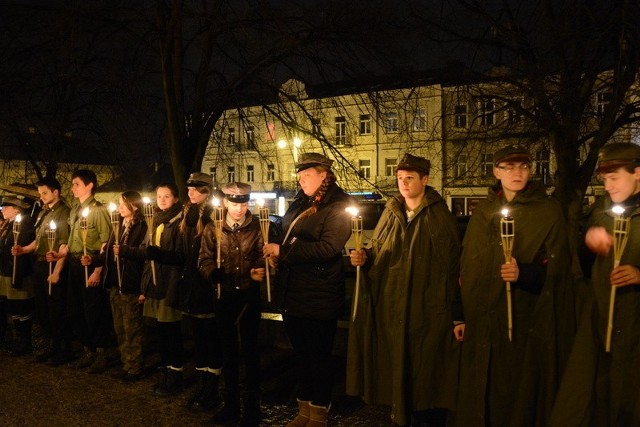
271	172
486	112
365	124
250	173
603	99
542	165
251	138
391	122
460	116
231	173
487	164
514	111
365	168
341	130
232	136
212	171
390	167
460	167
420	120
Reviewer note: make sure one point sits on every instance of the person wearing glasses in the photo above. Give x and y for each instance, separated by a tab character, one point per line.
509	375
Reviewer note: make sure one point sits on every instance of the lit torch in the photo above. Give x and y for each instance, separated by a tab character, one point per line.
356	232
148	217
217	214
16	233
115	224
84	229
51	239
620	236
506	234
264	226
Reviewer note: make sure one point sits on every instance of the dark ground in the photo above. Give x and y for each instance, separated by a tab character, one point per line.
33	394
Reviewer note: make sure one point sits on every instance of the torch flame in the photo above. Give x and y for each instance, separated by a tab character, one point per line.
505	212
618	210
352	210
112	207
146	200
85	212
18	218
52	225
215	202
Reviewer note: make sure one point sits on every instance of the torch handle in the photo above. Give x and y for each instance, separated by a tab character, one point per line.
15	258
356	294
86	268
509	311
612	303
266	269
50	273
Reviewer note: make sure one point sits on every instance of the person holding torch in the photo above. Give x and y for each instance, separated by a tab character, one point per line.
240	271
517	318
602	385
15	286
401	350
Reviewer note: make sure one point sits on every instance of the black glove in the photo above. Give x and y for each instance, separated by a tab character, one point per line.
153	253
217	275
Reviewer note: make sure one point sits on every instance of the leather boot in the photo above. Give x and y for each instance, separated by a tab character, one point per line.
22	344
202	378
172	385
209	397
230	412
250	409
318	415
302	418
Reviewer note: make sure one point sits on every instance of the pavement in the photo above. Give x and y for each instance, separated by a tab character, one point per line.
33	394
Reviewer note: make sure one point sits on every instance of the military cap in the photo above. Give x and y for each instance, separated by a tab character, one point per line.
414	163
237	192
512	153
308	160
616	155
199	179
14	201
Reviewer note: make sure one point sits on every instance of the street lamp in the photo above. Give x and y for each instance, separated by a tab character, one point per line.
296	143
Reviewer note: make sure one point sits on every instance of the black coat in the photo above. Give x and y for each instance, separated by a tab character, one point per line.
311	269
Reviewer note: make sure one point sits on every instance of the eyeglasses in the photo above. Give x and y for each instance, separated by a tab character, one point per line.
524	167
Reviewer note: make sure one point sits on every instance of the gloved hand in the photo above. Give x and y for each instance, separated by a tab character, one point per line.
217	275
153	253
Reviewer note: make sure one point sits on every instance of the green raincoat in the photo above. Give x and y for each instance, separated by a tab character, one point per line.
402	351
505	383
600	388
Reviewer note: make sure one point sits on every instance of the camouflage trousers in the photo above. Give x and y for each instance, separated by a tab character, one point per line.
129	328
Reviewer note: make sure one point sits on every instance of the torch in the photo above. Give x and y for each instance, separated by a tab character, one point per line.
51	239
217	222
620	237
356	232
16	233
507	234
148	217
264	226
84	229
115	223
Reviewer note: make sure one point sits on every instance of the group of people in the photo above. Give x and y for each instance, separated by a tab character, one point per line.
496	329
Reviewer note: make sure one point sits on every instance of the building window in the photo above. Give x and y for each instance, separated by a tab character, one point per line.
460	167
390	167
365	124
420	120
271	172
486	112
487	164
316	126
514	111
542	165
460	116
251	138
231	173
341	130
250	173
391	122
212	172
232	136
603	99
365	168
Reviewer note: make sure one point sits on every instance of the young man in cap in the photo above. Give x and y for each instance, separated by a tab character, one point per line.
238	309
16	291
601	388
509	375
88	300
50	306
401	350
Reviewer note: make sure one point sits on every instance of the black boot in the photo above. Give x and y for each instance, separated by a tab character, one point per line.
202	378
22	344
250	409
63	353
172	384
209	398
3	322
230	412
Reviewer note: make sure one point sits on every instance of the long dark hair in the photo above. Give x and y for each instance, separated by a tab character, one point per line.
321	192
133	202
204	189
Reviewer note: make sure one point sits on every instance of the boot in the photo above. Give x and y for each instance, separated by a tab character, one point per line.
172	384
302	418
202	378
22	344
3	322
251	409
44	355
100	364
209	398
62	355
318	415
230	412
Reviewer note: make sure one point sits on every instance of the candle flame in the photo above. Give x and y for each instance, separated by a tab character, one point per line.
505	212
618	210
352	210
52	225
260	202
215	202
85	212
112	207
18	218
146	200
